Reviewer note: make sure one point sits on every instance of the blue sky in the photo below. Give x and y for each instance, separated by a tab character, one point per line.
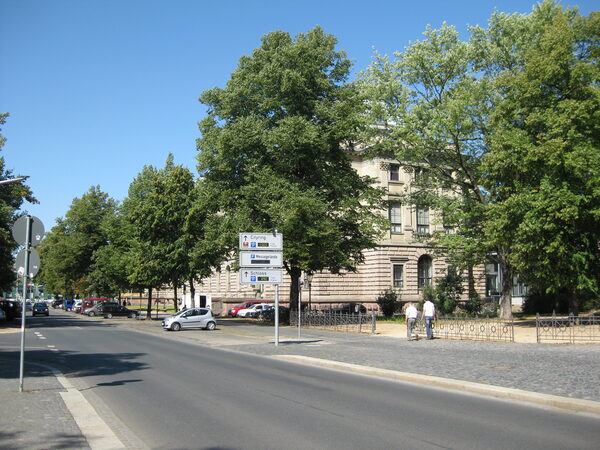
96	89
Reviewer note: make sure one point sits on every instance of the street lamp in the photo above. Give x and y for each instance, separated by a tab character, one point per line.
14	180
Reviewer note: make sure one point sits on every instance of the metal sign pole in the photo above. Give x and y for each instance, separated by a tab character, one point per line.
276	315
299	305
24	301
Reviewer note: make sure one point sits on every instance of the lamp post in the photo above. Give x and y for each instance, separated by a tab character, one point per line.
13	180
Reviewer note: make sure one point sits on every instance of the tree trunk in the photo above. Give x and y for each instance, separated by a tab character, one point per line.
471	282
175	294
506	293
149	305
295	273
192	293
573	304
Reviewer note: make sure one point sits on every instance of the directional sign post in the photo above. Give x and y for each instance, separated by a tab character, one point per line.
261	262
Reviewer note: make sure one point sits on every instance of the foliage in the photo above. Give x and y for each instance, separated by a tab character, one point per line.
470	115
388	302
12	197
473	306
68	250
273	154
544	164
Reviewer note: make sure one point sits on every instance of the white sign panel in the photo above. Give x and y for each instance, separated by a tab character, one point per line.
261	241
261	259
260	276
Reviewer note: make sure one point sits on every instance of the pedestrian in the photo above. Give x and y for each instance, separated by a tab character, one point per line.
411	314
428	315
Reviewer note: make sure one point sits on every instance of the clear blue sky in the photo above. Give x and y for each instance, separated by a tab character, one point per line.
96	89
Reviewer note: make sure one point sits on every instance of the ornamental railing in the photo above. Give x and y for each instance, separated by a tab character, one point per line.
571	329
470	328
336	321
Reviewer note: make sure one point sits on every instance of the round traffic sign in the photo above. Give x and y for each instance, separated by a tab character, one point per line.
34	262
19	230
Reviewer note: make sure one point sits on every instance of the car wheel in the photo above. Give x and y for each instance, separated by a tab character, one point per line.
109	316
92	313
211	326
132	315
176	326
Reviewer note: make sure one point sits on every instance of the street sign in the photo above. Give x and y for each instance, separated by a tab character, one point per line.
19	230
261	276
34	263
261	241
261	259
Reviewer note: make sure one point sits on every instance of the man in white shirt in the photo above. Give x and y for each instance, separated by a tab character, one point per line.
428	315
411	314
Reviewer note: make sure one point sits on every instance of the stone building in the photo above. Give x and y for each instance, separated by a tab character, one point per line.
400	261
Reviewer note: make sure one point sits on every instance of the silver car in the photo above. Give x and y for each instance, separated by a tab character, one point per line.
191	318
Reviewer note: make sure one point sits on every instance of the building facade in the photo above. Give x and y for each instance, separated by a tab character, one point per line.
400	261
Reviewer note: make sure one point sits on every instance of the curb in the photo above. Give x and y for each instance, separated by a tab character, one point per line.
548	400
98	434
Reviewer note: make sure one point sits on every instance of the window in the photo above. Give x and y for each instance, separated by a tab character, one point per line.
398	275
422	220
424	271
394	172
492	279
395	216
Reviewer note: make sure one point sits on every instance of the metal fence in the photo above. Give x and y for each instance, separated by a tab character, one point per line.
337	321
569	329
469	328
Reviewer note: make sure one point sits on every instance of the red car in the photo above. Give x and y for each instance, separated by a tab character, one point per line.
234	310
88	303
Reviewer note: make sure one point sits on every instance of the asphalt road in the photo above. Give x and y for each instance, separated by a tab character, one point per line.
157	391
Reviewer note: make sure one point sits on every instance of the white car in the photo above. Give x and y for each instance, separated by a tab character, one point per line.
253	310
190	318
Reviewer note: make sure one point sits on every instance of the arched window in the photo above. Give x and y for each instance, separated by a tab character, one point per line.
424	271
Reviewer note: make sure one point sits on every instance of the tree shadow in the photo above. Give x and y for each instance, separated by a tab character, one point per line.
69	363
14	440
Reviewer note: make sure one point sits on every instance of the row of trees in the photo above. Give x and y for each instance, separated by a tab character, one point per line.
503	127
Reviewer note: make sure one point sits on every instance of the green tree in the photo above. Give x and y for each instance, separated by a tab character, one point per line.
544	163
431	107
67	252
157	209
273	154
12	197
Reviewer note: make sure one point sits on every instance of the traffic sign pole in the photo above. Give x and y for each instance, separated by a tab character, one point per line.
24	304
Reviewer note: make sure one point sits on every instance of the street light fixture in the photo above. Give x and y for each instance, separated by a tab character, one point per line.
14	180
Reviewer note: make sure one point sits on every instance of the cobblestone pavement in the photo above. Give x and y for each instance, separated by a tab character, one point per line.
37	418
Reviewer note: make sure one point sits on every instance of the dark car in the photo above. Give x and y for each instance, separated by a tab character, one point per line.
351	308
109	311
268	315
11	308
57	303
40	308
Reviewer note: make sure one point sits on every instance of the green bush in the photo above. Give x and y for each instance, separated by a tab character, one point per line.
388	302
473	306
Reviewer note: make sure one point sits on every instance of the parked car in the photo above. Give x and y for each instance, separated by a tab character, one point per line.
11	308
87	303
253	310
40	308
97	309
110	310
268	314
234	310
191	318
77	306
2	315
351	308
57	304
67	305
